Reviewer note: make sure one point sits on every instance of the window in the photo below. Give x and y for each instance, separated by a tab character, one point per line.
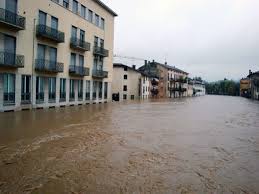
82	35
9	88
90	15
125	76
96	41
39	89
132	97
74	32
83	11
125	88
62	90
125	68
102	23
75	7
94	89
41	51
87	95
105	90
66	3
125	96
26	89
73	59
52	89
101	43
42	18
96	20
54	24
53	56
72	90
80	90
81	60
100	90
10	47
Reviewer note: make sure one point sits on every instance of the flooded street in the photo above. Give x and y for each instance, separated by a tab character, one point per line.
204	144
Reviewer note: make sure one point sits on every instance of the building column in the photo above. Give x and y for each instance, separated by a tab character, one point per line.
67	89
57	90
84	90
46	91
33	91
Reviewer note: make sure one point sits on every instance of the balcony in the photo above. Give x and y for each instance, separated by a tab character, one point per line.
78	71
48	66
99	74
12	20
11	60
100	51
49	33
178	89
179	80
78	44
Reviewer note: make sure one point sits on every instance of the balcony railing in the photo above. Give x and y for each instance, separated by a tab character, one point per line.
26	98
44	31
11	60
78	70
179	80
9	98
48	66
12	20
79	44
101	51
178	89
100	74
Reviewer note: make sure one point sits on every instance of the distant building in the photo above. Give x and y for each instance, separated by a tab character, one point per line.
254	79
128	83
190	88
166	81
245	87
198	87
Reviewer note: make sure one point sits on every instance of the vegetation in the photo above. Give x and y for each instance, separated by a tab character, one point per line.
223	87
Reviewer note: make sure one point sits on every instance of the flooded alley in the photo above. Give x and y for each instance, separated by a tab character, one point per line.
206	144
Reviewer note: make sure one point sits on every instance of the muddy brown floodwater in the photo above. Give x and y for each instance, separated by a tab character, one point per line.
194	145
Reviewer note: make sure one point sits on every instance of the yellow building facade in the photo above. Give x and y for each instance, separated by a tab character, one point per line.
55	53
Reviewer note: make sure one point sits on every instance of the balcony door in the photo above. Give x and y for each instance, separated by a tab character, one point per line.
42	18
9	47
11	5
82	35
52	57
54	26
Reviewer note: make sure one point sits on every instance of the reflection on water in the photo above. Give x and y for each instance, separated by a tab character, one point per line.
194	145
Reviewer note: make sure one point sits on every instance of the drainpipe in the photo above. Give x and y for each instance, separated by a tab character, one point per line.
32	67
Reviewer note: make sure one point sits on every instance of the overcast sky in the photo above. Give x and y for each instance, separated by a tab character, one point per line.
209	38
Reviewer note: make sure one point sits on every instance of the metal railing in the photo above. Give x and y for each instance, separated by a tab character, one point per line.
78	70
12	19
26	98
50	33
77	43
87	96
11	60
62	97
9	98
48	66
72	96
101	51
99	73
180	80
39	97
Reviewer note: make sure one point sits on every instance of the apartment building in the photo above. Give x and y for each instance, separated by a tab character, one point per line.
128	83
55	53
166	80
245	87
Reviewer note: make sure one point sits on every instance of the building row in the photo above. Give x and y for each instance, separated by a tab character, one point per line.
55	53
153	80
249	86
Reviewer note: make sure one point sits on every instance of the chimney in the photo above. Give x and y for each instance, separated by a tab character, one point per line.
134	66
145	62
165	63
250	72
153	61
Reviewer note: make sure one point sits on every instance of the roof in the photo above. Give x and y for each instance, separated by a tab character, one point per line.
120	65
106	7
170	67
253	74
